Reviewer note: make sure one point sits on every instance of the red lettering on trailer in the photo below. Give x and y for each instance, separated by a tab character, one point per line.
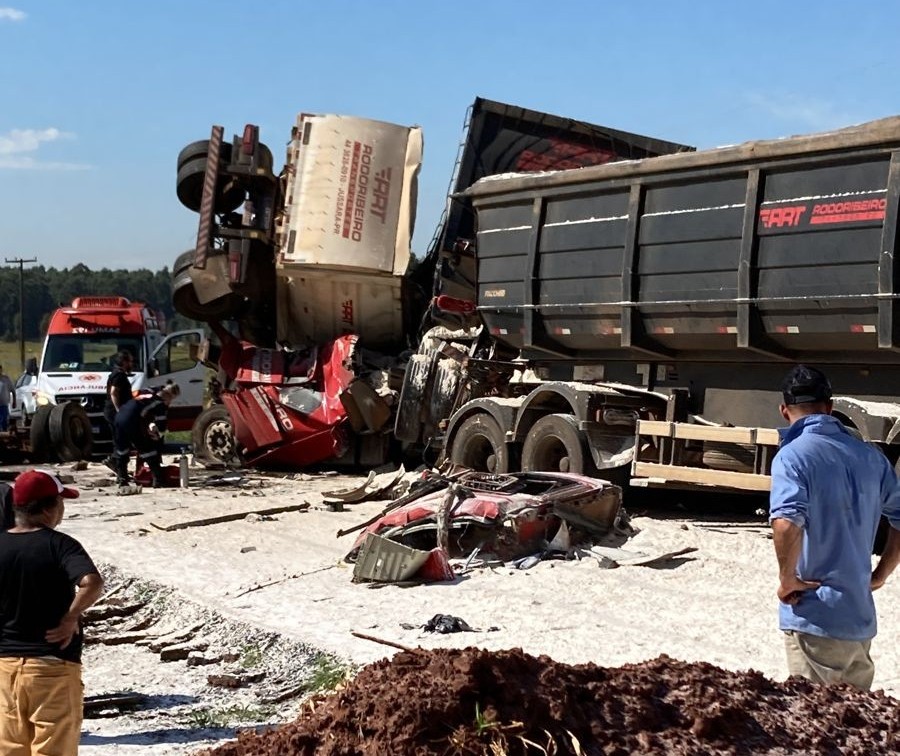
779	217
351	189
848	212
362	190
381	192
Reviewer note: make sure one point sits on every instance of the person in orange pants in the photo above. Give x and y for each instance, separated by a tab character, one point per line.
47	580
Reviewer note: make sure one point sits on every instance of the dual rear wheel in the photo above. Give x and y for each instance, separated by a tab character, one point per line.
554	444
61	433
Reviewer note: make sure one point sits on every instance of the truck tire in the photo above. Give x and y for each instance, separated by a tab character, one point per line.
184	297
479	444
444	390
39	436
413	396
192	162
732	457
554	444
212	438
70	432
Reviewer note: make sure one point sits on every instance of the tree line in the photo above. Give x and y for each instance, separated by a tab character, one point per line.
45	289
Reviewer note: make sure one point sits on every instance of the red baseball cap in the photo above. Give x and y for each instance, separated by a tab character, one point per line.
32	485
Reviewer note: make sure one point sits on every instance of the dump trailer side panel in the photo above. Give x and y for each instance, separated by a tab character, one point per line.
785	255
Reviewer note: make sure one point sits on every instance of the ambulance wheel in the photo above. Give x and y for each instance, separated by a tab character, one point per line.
39	439
212	438
70	432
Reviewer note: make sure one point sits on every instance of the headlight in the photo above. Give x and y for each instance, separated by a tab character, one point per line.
41	398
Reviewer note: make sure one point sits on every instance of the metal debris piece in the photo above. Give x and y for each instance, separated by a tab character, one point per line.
375	487
386	561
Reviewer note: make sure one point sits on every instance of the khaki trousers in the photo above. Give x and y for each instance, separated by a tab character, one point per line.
42	701
827	660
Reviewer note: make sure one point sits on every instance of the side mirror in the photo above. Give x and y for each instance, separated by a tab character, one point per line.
152	368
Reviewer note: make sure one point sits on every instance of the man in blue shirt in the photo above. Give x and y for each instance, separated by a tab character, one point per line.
829	490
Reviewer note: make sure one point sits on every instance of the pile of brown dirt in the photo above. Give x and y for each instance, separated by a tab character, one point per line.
468	702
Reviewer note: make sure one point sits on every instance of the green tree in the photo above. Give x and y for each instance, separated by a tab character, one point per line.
45	289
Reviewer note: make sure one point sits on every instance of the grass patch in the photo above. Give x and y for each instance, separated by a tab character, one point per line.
227	716
327	674
251	656
9	356
178	437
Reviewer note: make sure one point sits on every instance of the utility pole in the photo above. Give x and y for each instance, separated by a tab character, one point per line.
21	263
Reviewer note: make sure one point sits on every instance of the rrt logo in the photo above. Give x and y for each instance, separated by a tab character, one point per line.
780	217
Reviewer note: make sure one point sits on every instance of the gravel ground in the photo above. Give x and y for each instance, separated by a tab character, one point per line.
180	710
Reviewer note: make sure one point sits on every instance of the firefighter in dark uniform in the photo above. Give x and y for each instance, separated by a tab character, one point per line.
140	424
118	393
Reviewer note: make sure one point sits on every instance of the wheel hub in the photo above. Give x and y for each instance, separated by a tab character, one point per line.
220	440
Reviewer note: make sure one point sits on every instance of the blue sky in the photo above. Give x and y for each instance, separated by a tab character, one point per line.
99	96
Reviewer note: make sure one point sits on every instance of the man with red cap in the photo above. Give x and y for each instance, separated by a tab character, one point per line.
47	580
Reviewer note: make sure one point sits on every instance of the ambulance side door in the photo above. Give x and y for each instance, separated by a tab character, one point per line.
175	360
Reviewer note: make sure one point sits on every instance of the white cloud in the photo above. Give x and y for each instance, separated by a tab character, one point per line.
28	140
16	145
12	14
28	163
804	112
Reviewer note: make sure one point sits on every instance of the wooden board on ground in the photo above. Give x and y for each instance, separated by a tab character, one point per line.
181	522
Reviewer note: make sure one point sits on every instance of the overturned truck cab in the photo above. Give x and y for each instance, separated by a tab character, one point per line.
314	263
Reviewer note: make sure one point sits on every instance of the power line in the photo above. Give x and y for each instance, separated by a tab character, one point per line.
21	261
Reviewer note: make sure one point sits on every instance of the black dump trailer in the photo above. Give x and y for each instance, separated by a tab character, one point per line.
660	301
499	139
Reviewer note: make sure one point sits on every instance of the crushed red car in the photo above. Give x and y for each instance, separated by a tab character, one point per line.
506	515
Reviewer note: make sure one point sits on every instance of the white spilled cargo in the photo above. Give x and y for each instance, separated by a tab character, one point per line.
345	233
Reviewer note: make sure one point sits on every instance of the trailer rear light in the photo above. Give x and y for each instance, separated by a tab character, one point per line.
453	304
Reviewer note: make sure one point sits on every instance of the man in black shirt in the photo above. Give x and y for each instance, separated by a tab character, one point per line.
118	393
46	581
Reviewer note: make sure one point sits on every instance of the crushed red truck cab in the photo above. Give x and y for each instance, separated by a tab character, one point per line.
287	407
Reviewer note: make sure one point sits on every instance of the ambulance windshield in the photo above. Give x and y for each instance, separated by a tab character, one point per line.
89	352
